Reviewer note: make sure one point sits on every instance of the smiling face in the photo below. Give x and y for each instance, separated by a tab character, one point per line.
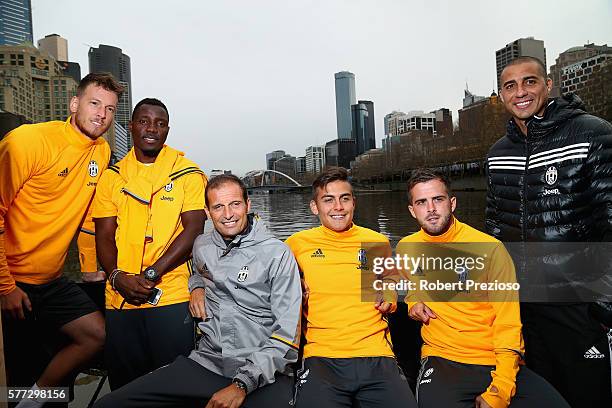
228	210
524	91
93	111
432	207
334	205
149	129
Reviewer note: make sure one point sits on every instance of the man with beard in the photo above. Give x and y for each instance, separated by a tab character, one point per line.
348	356
49	172
473	348
550	180
148	210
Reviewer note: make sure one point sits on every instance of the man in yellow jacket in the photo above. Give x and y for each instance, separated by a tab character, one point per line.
148	210
49	173
473	349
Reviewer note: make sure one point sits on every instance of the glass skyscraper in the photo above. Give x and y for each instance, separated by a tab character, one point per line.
345	97
15	22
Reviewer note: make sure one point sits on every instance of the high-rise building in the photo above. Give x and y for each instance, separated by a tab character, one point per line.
340	152
300	165
345	97
596	92
470	99
72	69
574	66
33	84
315	158
15	22
111	59
523	47
55	46
444	122
391	120
272	157
362	127
417	120
370	125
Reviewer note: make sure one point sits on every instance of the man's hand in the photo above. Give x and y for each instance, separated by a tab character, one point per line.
481	403
383	306
197	303
305	292
98	276
421	313
134	288
13	302
228	397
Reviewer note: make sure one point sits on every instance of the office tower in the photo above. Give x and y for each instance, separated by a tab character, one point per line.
300	165
15	22
391	120
315	158
574	66
444	122
55	46
345	97
72	69
340	152
272	157
34	84
362	128
111	59
523	47
370	134
106	58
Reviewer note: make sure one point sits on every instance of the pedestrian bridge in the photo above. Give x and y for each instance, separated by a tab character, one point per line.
269	181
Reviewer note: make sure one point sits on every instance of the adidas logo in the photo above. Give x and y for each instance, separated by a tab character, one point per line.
593	353
63	173
317	254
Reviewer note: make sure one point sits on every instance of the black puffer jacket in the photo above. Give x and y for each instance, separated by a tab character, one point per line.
556	183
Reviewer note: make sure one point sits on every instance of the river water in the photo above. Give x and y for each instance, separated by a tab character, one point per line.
386	212
284	214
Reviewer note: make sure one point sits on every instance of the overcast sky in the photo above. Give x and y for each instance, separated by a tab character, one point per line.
244	77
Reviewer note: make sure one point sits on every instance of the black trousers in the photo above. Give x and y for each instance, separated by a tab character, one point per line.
567	347
185	383
140	340
448	384
364	382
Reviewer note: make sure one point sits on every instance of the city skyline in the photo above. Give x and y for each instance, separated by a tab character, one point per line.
262	75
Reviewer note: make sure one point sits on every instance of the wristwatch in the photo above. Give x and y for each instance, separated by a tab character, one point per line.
240	384
151	274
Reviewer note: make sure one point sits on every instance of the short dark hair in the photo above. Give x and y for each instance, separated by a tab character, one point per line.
329	175
524	59
150	101
218	181
103	79
423	176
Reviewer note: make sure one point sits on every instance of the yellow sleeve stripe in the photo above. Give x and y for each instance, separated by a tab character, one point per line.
285	341
86	231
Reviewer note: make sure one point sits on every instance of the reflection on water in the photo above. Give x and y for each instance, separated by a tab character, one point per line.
386	212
